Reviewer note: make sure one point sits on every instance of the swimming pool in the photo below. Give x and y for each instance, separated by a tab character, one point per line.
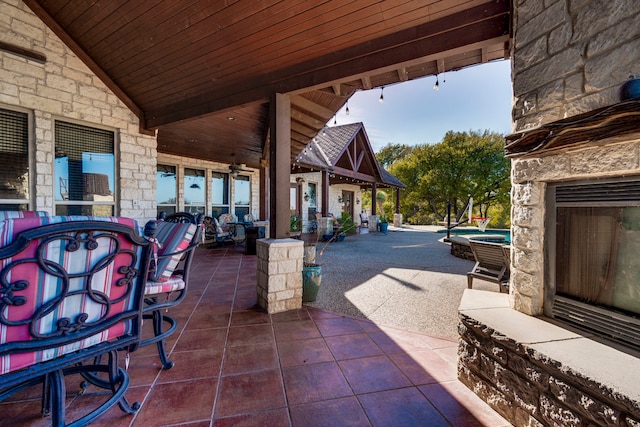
490	235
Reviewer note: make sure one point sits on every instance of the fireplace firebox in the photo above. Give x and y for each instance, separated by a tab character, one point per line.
592	250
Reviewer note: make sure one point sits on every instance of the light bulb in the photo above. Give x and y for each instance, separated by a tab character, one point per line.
381	99
347	110
436	86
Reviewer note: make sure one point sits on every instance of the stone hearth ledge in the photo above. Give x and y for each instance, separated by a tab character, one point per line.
568	356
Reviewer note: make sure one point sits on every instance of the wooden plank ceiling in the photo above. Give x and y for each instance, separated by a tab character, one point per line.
201	72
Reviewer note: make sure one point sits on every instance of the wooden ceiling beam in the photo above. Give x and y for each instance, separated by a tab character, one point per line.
403	75
310	121
353	174
303	130
299	138
484	22
310	106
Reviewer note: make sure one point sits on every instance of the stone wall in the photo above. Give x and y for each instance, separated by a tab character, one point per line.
537	374
63	88
569	57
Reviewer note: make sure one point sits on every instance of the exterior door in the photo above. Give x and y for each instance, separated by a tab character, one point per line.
347	202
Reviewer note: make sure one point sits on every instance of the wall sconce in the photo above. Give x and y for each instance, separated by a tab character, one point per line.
299	180
306	197
357	201
339	199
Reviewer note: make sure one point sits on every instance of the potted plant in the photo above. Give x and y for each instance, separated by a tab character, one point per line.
294	226
383	225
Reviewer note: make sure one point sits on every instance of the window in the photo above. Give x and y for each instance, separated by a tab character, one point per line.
194	191
219	193
242	195
166	194
14	155
312	191
85	171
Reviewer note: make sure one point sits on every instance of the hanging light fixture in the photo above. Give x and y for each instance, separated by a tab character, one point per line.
381	99
436	86
335	120
347	110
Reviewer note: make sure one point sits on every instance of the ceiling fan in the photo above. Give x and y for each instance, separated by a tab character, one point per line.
235	168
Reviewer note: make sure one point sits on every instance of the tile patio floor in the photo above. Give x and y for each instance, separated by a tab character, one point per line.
237	366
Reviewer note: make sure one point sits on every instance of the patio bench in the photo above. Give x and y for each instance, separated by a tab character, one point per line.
492	263
71	293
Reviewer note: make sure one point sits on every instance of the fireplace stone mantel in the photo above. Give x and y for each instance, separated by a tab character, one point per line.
615	121
536	373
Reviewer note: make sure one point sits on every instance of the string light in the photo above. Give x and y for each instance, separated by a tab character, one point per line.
335	120
436	86
347	110
381	99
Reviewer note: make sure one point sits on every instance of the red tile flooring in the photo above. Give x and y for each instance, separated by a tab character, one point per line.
238	366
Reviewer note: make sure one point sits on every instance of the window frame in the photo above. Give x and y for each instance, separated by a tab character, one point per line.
27	202
167	205
219	209
116	170
199	208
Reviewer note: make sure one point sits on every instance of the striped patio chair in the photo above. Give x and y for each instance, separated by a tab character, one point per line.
70	292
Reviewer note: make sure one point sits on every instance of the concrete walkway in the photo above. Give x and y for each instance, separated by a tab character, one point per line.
405	278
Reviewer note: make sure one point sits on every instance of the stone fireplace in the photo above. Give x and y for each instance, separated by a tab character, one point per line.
563	348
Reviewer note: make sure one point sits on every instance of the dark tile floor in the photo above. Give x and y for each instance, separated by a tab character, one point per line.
238	366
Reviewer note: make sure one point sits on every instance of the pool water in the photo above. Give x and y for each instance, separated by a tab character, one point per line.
492	235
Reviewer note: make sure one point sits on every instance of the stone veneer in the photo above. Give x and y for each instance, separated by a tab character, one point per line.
63	88
280	263
535	373
569	57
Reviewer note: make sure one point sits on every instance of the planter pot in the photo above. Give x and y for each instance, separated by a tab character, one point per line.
383	226
311	277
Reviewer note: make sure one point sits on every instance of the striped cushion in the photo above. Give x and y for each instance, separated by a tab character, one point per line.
44	287
21	214
173	237
175	283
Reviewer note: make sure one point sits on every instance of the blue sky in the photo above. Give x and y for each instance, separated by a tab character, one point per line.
475	98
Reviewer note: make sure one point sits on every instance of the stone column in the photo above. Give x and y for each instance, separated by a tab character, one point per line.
373	222
397	220
280	264
325	226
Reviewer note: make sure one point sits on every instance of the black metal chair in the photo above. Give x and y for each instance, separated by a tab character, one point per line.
71	292
177	236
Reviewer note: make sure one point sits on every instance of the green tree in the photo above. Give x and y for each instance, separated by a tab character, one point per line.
463	165
390	153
